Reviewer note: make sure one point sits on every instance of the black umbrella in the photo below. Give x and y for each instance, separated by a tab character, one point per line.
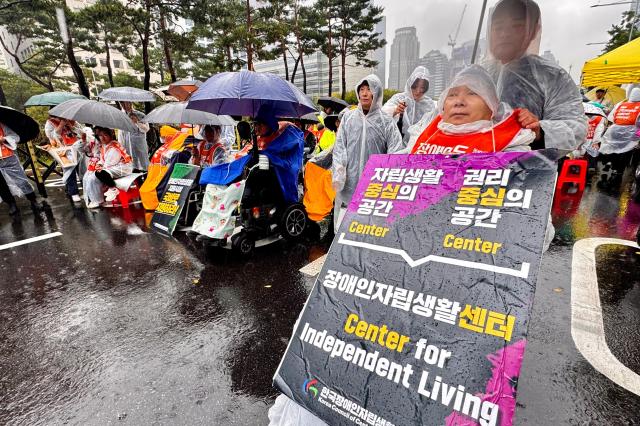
26	127
330	102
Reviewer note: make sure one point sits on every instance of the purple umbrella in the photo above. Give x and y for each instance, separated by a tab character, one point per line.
245	92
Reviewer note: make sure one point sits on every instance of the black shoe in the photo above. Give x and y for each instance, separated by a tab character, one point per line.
13	209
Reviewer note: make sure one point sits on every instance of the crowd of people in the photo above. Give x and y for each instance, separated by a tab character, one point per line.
512	100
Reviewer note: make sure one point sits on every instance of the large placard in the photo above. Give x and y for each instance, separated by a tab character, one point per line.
420	313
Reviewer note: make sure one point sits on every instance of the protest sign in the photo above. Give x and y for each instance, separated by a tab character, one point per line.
174	198
420	313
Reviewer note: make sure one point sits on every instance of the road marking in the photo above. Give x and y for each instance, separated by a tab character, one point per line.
312	269
30	240
523	272
587	324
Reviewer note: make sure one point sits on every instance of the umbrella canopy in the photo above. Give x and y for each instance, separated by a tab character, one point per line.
245	92
620	66
614	94
26	127
183	89
51	98
590	108
126	94
95	113
330	102
176	113
311	118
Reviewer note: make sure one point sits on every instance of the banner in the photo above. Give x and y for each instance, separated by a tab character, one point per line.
420	313
174	197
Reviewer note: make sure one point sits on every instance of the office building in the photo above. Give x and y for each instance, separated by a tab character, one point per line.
405	51
438	65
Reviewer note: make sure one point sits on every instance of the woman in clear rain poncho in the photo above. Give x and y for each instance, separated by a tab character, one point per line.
412	105
472	119
550	102
363	131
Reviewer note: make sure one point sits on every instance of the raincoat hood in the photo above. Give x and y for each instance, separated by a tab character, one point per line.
500	34
477	79
634	96
375	85
420	73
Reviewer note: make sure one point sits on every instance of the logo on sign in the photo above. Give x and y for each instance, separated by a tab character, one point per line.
308	387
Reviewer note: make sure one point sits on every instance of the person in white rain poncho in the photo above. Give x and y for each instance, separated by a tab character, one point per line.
363	131
550	102
15	181
135	143
412	105
621	136
113	163
472	119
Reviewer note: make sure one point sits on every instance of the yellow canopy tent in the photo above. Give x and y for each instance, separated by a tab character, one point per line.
620	66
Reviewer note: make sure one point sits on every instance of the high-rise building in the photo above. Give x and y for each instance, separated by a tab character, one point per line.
405	51
21	48
461	56
317	70
380	55
438	65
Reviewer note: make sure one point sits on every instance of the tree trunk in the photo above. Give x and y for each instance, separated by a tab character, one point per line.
283	46
295	69
145	53
249	39
343	57
229	58
107	51
300	50
330	57
166	47
3	98
304	73
77	71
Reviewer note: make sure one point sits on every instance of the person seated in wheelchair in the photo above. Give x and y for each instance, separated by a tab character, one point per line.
265	178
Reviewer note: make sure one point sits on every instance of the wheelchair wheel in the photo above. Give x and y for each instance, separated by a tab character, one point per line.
243	244
293	222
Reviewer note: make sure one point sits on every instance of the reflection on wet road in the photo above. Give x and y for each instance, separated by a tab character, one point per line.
108	323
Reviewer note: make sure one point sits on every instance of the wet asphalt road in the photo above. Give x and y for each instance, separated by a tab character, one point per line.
111	324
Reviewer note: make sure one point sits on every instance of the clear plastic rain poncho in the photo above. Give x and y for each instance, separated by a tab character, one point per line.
10	166
422	109
360	135
622	136
525	80
479	81
135	143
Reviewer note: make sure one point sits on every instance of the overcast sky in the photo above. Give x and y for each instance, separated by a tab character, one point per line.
567	25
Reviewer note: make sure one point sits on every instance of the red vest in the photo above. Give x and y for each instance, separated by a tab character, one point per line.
593	125
5	151
627	114
207	154
433	141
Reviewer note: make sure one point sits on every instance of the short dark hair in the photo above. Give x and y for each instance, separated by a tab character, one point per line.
601	91
364	83
106	130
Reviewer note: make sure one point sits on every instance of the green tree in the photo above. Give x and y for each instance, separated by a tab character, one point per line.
278	18
30	22
105	30
355	37
619	34
18	89
307	37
